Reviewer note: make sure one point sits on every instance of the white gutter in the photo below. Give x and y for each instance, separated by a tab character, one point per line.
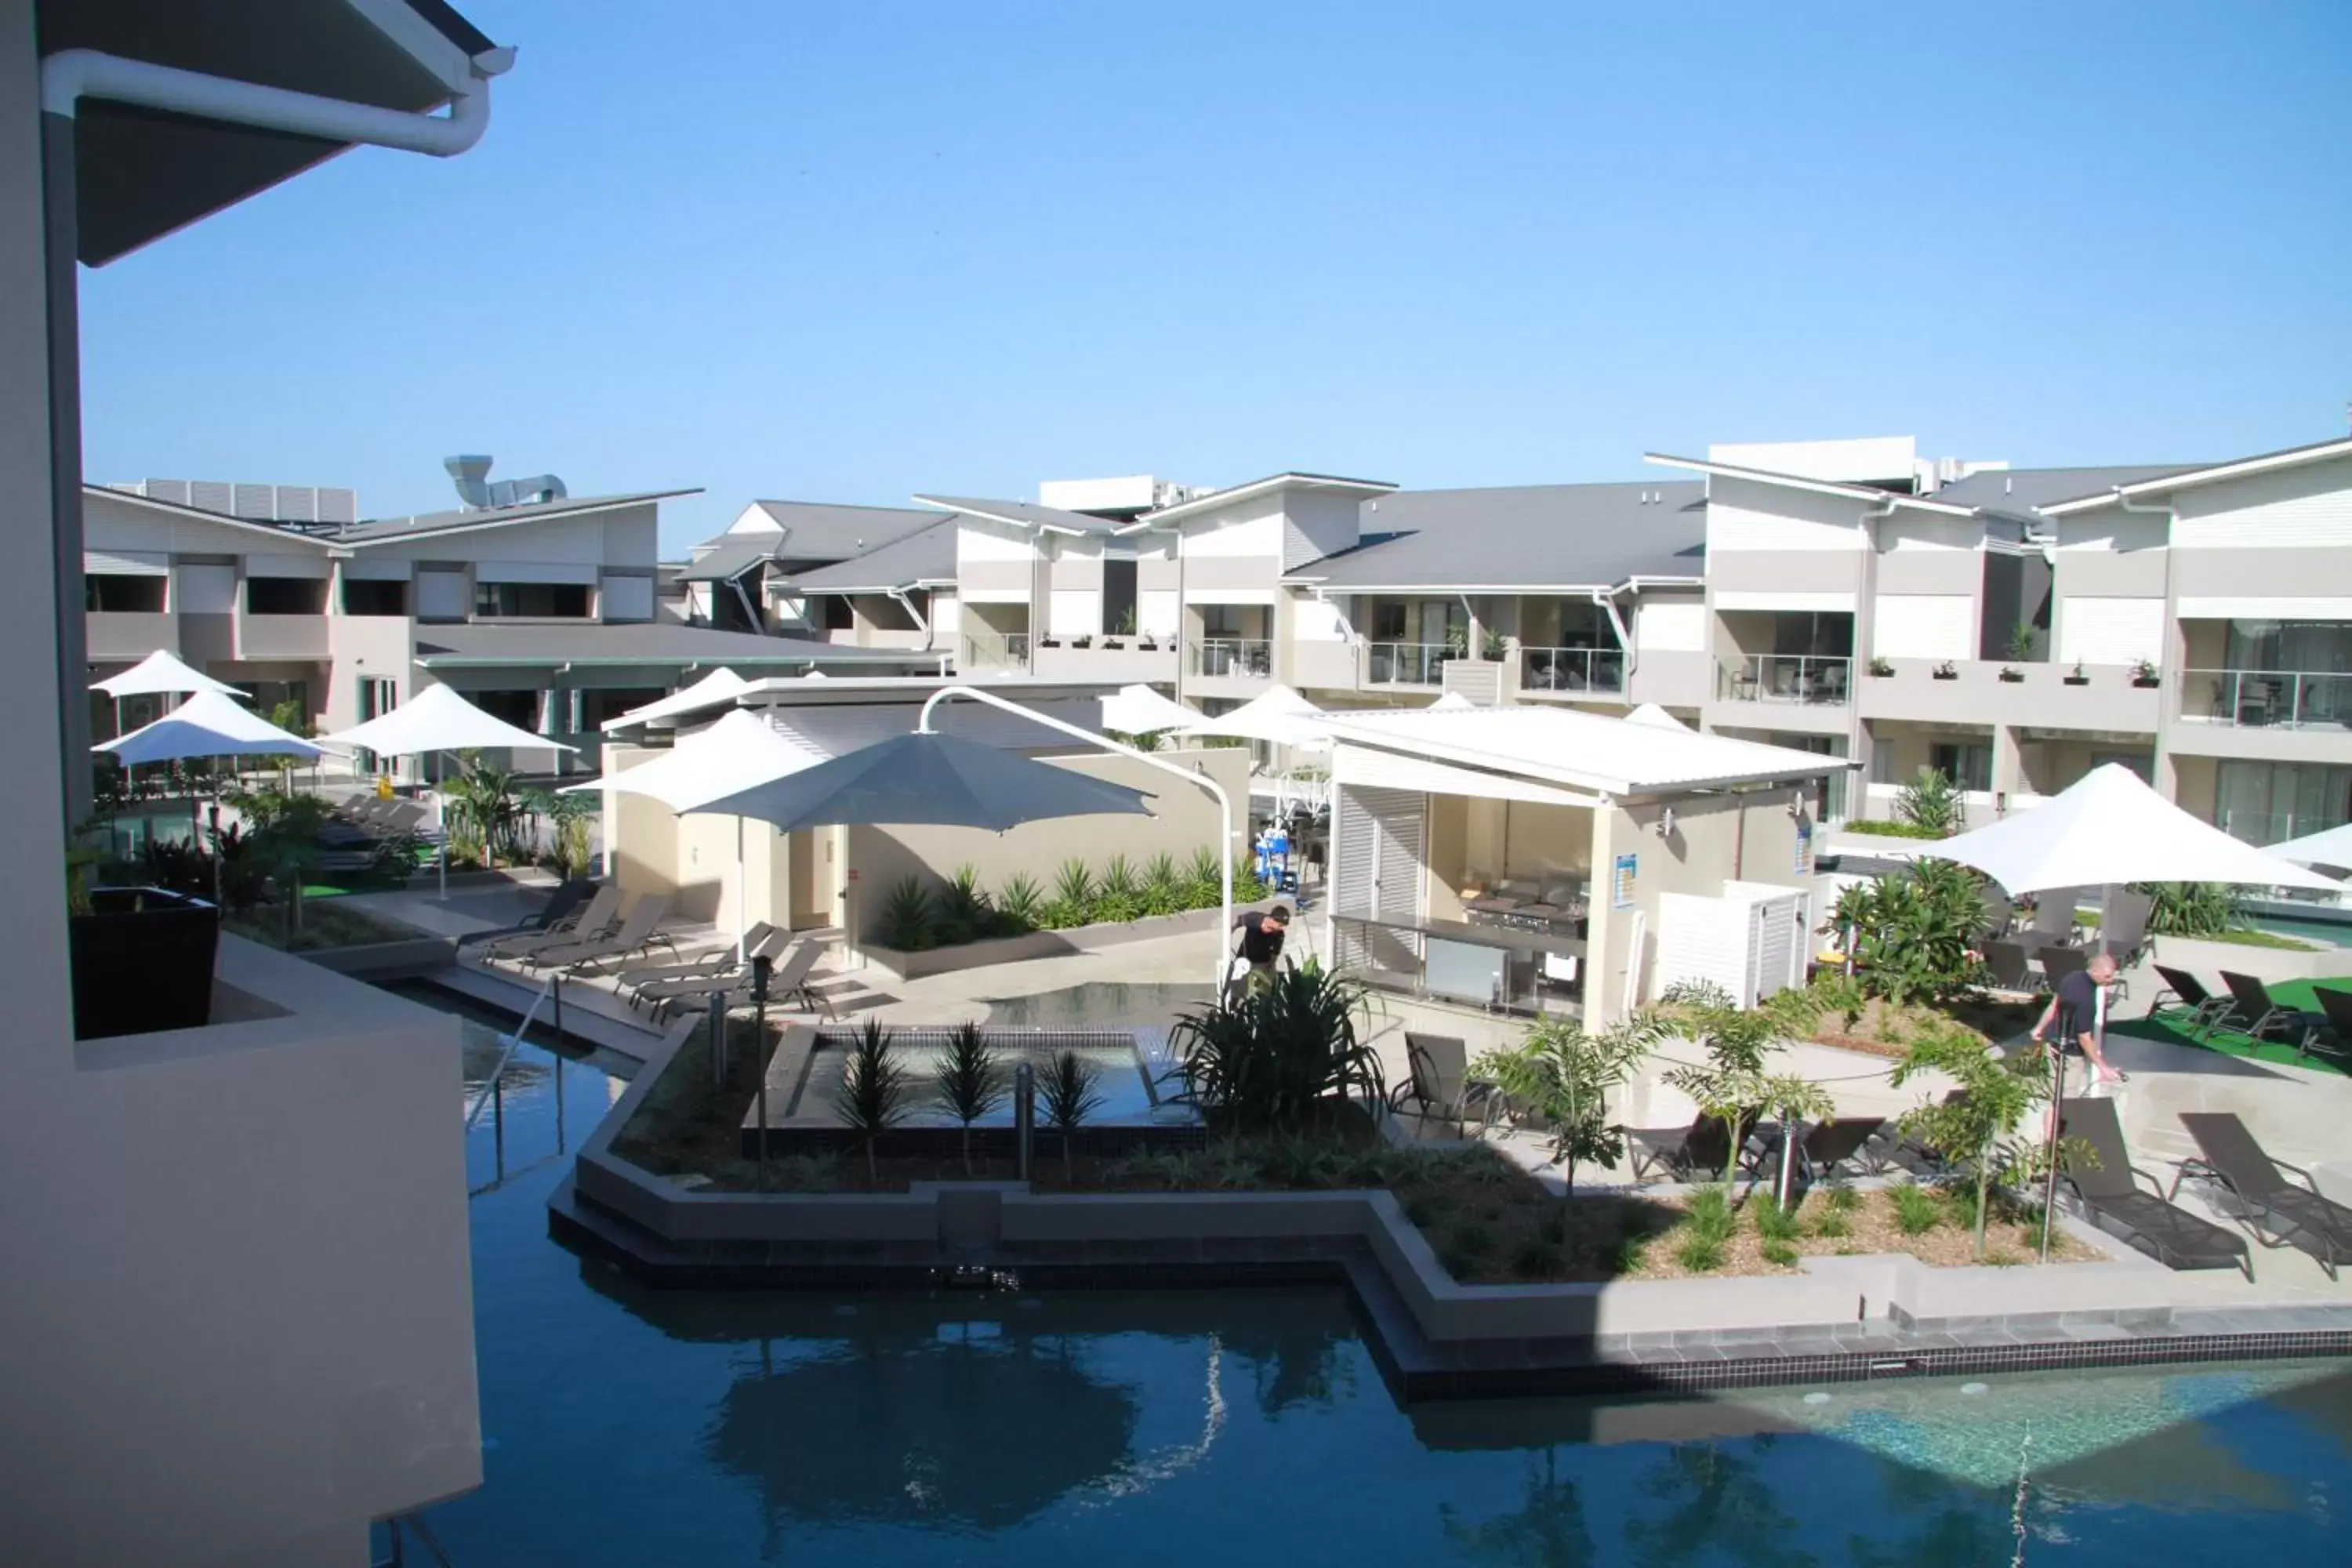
71	75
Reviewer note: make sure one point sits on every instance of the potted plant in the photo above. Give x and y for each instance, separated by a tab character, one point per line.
1881	667
1116	636
143	957
1946	671
1497	647
2143	672
2024	641
2011	674
2075	676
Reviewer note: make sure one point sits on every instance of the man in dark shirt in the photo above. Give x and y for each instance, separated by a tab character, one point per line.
1261	943
2070	1025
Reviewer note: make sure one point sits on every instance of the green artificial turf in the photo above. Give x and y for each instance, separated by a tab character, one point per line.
2173	1030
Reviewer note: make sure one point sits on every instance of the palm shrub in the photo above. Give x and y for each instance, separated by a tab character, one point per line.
1562	1073
962	909
567	817
1073	900
1119	896
1201	885
1019	904
872	1098
909	921
2194	908
969	1083
1932	801
1976	1130
1278	1058
487	810
1915	930
1068	1096
1163	890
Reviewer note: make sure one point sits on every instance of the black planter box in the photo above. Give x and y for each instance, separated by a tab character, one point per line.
143	961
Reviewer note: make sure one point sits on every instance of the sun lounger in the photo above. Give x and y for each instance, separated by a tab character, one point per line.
639	932
762	940
2335	1006
1890	1145
2057	962
2255	1013
1697	1152
561	905
2231	1159
2006	962
2122	927
594	919
788	986
1438	1082
2189	996
2166	1231
1841	1141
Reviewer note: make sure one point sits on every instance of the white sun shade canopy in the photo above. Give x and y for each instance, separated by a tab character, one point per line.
1141	710
208	725
1655	717
163	674
1279	715
2332	848
2110	828
1452	702
738	751
721	686
437	720
1591	752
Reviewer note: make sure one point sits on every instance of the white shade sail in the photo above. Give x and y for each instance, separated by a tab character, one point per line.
437	720
1655	717
2110	828
740	751
162	673
1279	715
2332	848
720	686
1141	710
1452	702
208	725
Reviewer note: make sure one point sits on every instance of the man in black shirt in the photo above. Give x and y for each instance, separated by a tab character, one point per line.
2070	1025
1261	942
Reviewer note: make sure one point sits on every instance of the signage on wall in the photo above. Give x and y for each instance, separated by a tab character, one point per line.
1621	882
1804	846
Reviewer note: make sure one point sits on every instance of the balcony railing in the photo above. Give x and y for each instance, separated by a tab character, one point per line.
2267	698
1240	659
1595	670
1807	678
996	650
1406	663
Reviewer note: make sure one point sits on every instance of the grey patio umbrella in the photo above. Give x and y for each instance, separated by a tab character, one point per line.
928	779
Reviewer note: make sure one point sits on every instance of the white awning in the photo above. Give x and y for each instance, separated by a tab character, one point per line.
535	571
1387	770
265	565
126	563
377	568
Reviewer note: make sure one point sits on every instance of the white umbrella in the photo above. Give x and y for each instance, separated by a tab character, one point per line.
1141	710
437	720
719	686
208	725
1278	714
161	674
734	755
2332	848
2107	827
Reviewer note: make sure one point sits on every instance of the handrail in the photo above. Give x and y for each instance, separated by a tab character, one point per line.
514	1043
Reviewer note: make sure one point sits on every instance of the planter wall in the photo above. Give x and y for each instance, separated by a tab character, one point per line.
386	959
902	967
142	961
2207	959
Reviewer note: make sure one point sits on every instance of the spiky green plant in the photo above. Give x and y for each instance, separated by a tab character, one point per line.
872	1098
1018	903
1932	801
1074	884
1067	1095
963	909
970	1082
1561	1073
1163	887
1118	897
1200	879
909	918
1284	1053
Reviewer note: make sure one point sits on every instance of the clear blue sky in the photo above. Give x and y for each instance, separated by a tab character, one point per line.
846	252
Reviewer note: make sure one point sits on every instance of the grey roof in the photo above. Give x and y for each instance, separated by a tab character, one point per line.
1026	514
431	522
1530	536
924	557
648	642
731	559
820	531
2016	491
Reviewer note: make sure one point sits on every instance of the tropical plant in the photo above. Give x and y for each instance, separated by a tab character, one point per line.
1457	640
1248	886
1975	1129
1067	1095
962	911
1019	901
1074	884
568	819
1913	931
486	811
1882	667
1794	1100
2024	641
970	1082
283	844
1494	645
1164	892
1562	1073
2143	671
1932	801
872	1098
1201	883
1731	1085
909	922
2195	908
1282	1054
1120	895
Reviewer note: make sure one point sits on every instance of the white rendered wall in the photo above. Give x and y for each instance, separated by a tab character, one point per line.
1745	515
1671	626
2286	509
1259	533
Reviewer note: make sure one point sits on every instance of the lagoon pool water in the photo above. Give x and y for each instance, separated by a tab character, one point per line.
630	1426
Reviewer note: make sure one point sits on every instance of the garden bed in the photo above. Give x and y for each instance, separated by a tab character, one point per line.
1885	1028
1932	1225
326	923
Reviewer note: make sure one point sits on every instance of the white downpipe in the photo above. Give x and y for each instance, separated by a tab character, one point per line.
71	75
1224	802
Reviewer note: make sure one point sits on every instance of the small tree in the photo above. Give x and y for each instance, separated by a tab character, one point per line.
872	1098
969	1083
1069	1098
1975	1129
1794	1100
1563	1073
1731	1082
1932	801
1915	930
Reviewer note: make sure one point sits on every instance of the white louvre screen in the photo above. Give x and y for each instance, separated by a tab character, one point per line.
2110	631
1376	865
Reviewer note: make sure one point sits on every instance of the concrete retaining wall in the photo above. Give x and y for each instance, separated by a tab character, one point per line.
902	967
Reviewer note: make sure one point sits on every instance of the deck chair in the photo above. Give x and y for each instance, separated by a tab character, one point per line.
562	904
2123	930
639	932
2053	919
2190	998
594	918
788	982
2335	1006
1890	1145
2057	962
2230	1158
1841	1141
1999	914
2006	962
2166	1231
1438	1082
2255	1013
719	961
1697	1153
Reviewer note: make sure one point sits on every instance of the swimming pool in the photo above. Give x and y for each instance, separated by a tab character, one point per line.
626	1426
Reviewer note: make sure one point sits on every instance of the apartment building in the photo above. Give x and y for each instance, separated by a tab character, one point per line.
541	606
743	580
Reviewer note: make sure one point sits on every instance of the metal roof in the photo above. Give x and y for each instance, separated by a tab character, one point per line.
648	642
1024	514
730	558
923	558
1588	750
819	532
1521	538
2020	493
1289	479
426	524
2213	473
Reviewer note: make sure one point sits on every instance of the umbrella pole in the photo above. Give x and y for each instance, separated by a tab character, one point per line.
743	905
441	819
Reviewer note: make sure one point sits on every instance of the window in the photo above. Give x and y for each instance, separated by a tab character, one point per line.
1387	621
840	614
1882	761
285	595
2263	803
532	600
1118	597
123	595
1967	764
363	597
2139	763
